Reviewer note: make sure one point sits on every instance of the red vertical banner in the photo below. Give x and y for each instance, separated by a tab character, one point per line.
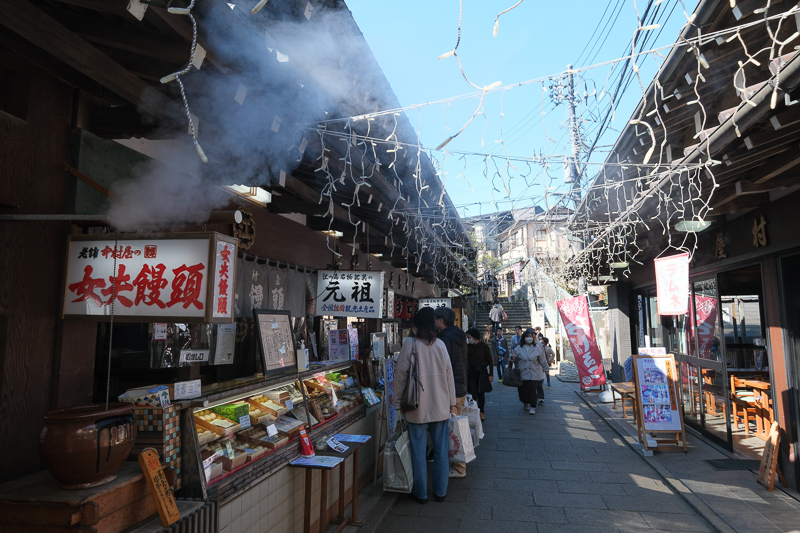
575	314
672	284
706	316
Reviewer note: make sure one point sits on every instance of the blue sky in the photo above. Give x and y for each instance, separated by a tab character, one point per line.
535	41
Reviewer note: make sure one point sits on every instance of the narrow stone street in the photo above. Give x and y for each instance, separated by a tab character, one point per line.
563	469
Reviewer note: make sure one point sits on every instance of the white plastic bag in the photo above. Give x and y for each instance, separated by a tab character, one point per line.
474	416
461	448
398	473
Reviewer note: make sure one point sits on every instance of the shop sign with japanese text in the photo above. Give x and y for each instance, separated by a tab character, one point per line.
160	278
350	293
434	302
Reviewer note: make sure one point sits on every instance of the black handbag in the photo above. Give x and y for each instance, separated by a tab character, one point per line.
409	401
512	377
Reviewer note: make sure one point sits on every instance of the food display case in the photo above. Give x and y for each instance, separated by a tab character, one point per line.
239	435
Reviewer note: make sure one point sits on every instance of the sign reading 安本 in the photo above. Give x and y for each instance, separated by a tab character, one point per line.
435	302
349	293
162	278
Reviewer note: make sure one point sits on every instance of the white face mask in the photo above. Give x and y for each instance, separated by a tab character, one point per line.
528	340
469	341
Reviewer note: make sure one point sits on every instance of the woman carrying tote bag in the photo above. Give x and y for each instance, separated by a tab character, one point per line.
436	400
479	375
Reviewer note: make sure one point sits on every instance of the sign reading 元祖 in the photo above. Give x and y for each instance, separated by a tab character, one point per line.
151	277
435	302
349	293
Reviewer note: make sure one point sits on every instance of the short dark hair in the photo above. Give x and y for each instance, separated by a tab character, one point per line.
517	327
446	314
426	325
545	340
474	333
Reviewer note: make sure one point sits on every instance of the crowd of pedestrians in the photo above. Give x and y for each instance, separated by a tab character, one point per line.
447	364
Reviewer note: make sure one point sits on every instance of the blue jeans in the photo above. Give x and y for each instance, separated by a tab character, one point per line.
501	368
418	435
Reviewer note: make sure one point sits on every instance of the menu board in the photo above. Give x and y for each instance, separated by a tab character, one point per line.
656	379
276	339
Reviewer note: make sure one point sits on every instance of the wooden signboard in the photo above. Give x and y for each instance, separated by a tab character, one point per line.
769	459
159	487
658	413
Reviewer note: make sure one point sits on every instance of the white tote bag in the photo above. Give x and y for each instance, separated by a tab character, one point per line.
398	473
461	448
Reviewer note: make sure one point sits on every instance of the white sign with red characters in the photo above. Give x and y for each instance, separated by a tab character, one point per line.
159	278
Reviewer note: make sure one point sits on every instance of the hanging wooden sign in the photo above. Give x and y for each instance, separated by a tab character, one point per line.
159	487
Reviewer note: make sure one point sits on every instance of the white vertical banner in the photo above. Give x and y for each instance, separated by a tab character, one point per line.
672	284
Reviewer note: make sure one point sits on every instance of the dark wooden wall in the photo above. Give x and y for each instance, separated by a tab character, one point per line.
33	151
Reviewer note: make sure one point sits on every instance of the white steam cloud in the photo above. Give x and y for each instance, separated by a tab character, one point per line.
281	71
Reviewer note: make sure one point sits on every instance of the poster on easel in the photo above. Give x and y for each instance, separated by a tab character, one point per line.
658	410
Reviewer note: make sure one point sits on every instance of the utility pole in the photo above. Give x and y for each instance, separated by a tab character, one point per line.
574	163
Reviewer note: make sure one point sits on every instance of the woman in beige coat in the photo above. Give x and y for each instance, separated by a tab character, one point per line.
529	357
437	399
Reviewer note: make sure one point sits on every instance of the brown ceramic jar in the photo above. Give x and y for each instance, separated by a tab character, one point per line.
86	446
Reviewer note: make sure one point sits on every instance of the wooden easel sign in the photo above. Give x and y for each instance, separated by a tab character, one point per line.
769	459
159	487
658	412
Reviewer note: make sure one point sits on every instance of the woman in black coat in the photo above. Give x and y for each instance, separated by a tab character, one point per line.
479	371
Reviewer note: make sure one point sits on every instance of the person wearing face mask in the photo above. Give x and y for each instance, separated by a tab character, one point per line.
479	378
500	352
530	358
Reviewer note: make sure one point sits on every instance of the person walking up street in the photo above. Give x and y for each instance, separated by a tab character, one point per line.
516	338
550	355
500	352
455	340
437	400
531	361
479	376
496	316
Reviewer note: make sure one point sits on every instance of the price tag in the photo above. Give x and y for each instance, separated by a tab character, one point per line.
289	404
228	450
244	421
272	430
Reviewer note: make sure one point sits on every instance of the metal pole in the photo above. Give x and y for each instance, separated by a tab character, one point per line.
574	170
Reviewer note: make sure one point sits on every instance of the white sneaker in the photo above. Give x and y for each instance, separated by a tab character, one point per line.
456	474
532	411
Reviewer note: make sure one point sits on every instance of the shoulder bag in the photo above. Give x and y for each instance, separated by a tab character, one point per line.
410	399
512	377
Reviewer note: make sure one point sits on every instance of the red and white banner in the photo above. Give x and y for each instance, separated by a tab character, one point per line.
578	323
705	309
672	284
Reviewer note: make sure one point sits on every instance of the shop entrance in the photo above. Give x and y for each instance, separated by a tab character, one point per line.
790	284
724	365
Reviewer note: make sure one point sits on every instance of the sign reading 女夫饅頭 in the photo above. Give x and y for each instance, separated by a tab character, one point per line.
349	293
161	277
577	321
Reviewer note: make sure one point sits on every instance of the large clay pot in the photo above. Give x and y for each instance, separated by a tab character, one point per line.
86	446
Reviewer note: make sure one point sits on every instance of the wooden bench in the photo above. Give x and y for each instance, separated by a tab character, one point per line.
625	390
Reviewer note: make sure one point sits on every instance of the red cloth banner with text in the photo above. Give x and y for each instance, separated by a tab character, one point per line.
706	312
672	284
578	323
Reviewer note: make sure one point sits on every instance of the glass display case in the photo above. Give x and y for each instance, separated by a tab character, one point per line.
249	431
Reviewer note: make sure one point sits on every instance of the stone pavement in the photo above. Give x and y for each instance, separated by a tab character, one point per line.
731	500
563	469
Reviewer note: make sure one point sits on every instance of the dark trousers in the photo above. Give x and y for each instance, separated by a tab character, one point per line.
501	368
540	390
529	392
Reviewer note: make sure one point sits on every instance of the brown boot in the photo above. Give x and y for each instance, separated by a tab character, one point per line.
481	416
